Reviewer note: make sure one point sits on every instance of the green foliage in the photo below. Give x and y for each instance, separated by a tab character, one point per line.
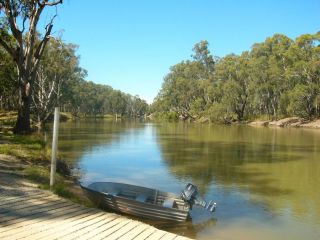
38	174
303	101
277	78
170	116
219	113
186	89
60	82
25	147
8	82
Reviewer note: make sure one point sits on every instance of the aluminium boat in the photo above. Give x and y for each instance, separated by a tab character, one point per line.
145	202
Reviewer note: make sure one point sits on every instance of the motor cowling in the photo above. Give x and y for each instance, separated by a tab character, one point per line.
191	196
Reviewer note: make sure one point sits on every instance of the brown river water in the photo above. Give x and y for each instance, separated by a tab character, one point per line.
265	181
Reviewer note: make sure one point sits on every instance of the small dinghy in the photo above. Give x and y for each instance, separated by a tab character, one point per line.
146	202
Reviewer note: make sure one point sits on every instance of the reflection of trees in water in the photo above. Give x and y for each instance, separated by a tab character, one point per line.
277	166
78	137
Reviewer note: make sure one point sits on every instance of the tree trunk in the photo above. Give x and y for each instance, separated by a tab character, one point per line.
23	119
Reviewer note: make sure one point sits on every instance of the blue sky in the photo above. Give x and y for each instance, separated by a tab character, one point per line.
130	45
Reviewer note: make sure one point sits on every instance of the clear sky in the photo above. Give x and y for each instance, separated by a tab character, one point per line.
131	44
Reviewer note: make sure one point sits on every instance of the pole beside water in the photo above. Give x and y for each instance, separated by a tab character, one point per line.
54	146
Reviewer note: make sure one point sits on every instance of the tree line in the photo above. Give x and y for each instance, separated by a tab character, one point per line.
60	81
277	78
39	72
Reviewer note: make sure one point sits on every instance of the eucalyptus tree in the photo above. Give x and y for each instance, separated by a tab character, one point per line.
304	75
185	89
268	66
136	106
18	36
58	68
232	71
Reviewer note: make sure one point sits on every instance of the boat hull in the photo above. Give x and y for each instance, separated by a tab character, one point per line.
110	201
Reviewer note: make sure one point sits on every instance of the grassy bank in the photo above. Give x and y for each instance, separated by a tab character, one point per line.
33	157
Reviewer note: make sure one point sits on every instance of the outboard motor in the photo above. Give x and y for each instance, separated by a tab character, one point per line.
191	195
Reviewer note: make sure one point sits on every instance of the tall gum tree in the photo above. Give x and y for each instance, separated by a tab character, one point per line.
18	36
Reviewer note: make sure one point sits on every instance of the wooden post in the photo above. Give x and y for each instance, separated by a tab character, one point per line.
54	146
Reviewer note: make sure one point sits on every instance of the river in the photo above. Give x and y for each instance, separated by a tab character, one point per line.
265	181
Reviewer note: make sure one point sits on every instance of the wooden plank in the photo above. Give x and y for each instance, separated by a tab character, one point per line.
158	234
31	203
111	230
90	227
134	232
28	220
99	230
4	200
56	226
146	233
60	231
127	228
14	206
9	218
71	232
35	224
181	238
16	223
29	207
169	236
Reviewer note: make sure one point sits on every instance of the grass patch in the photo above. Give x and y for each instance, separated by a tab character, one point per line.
30	148
62	187
7	121
32	151
38	175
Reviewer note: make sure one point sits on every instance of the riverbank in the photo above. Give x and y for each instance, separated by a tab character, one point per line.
284	122
288	122
29	158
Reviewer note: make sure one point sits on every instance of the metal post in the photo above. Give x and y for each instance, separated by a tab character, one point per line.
54	146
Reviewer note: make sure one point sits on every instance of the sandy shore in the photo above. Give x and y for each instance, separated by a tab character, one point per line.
288	122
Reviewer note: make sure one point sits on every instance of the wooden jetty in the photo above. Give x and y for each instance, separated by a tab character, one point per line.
30	213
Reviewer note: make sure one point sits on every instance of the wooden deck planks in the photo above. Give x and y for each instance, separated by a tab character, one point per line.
127	228
38	224
31	220
169	236
105	234
101	229
36	211
146	233
28	204
36	214
85	227
4	200
93	228
66	228
134	232
157	235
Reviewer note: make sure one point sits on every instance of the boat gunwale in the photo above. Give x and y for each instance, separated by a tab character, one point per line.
134	201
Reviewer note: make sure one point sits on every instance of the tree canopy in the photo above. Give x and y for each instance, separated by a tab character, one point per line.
277	78
60	81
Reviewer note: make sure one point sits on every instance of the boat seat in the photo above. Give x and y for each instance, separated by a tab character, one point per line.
141	198
168	203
